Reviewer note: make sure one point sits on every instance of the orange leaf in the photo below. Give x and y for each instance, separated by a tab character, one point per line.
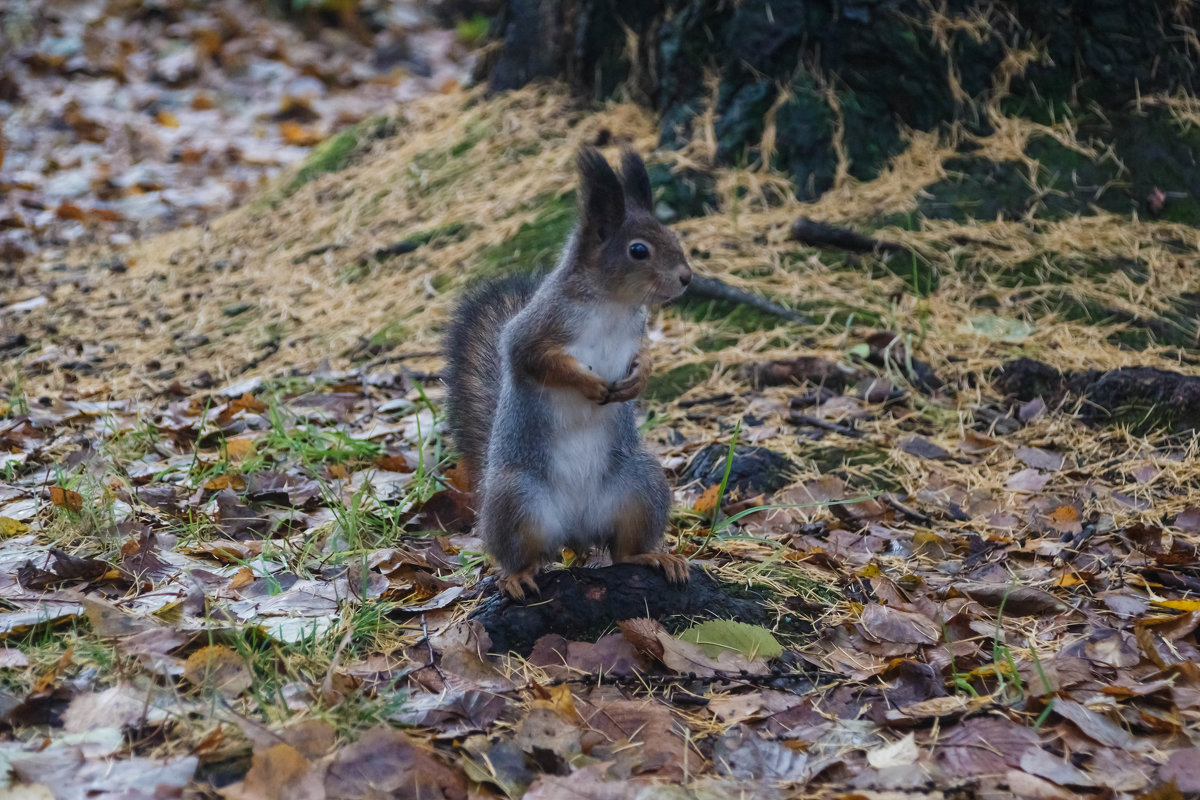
297	134
70	211
242	578
457	477
106	215
339	472
1064	514
65	498
249	402
166	119
707	502
396	463
202	102
235	482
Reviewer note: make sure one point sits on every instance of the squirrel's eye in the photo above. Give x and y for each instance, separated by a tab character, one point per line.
639	251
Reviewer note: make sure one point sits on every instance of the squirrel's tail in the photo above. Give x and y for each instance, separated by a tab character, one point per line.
473	370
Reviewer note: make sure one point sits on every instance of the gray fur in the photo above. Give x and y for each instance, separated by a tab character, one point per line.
560	469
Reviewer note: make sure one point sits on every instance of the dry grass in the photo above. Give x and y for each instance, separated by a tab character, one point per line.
492	165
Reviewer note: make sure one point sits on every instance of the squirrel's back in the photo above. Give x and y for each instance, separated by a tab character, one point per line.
473	363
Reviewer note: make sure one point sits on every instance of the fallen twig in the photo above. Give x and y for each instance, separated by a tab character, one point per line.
832	427
822	234
716	289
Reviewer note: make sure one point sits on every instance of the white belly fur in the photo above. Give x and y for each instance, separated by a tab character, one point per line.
581	504
609	339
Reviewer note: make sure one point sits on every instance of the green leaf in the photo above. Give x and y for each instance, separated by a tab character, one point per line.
861	350
722	635
1000	329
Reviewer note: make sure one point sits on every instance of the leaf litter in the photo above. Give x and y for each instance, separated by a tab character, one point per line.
244	569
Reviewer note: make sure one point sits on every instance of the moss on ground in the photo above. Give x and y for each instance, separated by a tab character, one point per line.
536	244
665	387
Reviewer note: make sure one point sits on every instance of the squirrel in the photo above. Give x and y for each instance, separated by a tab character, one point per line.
540	375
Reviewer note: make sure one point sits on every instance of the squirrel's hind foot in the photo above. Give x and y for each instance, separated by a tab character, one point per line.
674	567
516	584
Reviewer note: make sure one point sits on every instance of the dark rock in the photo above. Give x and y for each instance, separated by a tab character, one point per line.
753	471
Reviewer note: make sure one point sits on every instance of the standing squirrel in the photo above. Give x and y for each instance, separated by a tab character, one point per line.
540	375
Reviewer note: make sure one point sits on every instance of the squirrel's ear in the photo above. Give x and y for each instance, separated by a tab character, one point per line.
637	180
602	200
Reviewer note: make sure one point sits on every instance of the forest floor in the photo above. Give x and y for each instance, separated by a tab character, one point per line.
236	558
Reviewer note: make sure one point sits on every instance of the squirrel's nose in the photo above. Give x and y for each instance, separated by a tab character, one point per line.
685	276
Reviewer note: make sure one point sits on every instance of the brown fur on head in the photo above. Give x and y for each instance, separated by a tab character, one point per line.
639	260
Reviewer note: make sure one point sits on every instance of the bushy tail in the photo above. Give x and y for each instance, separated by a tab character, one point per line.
473	364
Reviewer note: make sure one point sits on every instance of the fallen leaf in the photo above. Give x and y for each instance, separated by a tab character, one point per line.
886	624
707	502
1028	481
10	527
899	753
121	706
219	669
279	773
923	448
65	498
12	658
235	482
716	636
387	763
1183	767
976	443
1097	726
1015	599
1038	458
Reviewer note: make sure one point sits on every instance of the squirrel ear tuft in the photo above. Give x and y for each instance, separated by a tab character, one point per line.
602	199
637	180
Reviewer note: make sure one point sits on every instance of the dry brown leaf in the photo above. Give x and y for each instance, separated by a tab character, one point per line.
886	624
65	498
387	763
218	668
279	773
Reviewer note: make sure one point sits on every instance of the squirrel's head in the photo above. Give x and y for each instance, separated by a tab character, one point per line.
619	238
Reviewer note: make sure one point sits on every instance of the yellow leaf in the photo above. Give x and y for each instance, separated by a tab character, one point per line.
1179	605
239	449
562	701
166	118
11	527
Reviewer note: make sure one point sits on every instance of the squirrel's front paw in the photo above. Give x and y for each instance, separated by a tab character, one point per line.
625	389
597	391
